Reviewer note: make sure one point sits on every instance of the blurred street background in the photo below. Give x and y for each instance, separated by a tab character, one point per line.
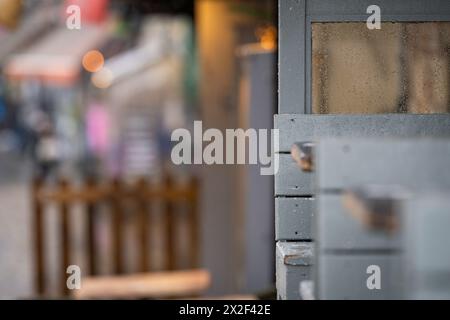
100	99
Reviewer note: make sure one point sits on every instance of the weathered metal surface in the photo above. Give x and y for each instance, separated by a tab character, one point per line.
375	206
342	276
337	229
346	245
294	218
346	276
306	127
290	180
416	164
294	265
420	270
427	241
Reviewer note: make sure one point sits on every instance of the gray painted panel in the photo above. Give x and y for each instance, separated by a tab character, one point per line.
290	180
296	127
293	218
294	264
291	56
427	243
345	277
388	7
338	230
254	224
416	164
384	17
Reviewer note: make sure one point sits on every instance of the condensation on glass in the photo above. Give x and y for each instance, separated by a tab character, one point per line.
401	68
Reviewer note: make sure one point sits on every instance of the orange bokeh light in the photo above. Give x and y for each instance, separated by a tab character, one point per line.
93	61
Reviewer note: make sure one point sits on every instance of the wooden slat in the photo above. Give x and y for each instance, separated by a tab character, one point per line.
90	195
143	223
65	238
117	226
103	192
84	195
91	218
194	224
170	227
38	238
148	285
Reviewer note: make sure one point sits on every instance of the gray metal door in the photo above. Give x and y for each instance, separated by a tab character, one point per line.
339	77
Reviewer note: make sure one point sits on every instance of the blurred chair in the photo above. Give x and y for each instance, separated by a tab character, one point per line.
172	283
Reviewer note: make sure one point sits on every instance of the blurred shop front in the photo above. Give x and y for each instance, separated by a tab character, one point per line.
88	105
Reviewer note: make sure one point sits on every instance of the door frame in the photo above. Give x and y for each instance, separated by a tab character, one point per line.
295	36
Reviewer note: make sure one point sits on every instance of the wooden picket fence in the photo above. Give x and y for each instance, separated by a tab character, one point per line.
92	195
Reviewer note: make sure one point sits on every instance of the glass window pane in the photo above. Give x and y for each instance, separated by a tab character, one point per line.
403	67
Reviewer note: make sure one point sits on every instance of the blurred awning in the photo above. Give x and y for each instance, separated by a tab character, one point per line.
10	12
57	57
36	24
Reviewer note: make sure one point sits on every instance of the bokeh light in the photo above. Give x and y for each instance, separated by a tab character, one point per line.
102	79
93	61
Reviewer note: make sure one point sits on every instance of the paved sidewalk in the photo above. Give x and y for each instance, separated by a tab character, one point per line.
15	255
